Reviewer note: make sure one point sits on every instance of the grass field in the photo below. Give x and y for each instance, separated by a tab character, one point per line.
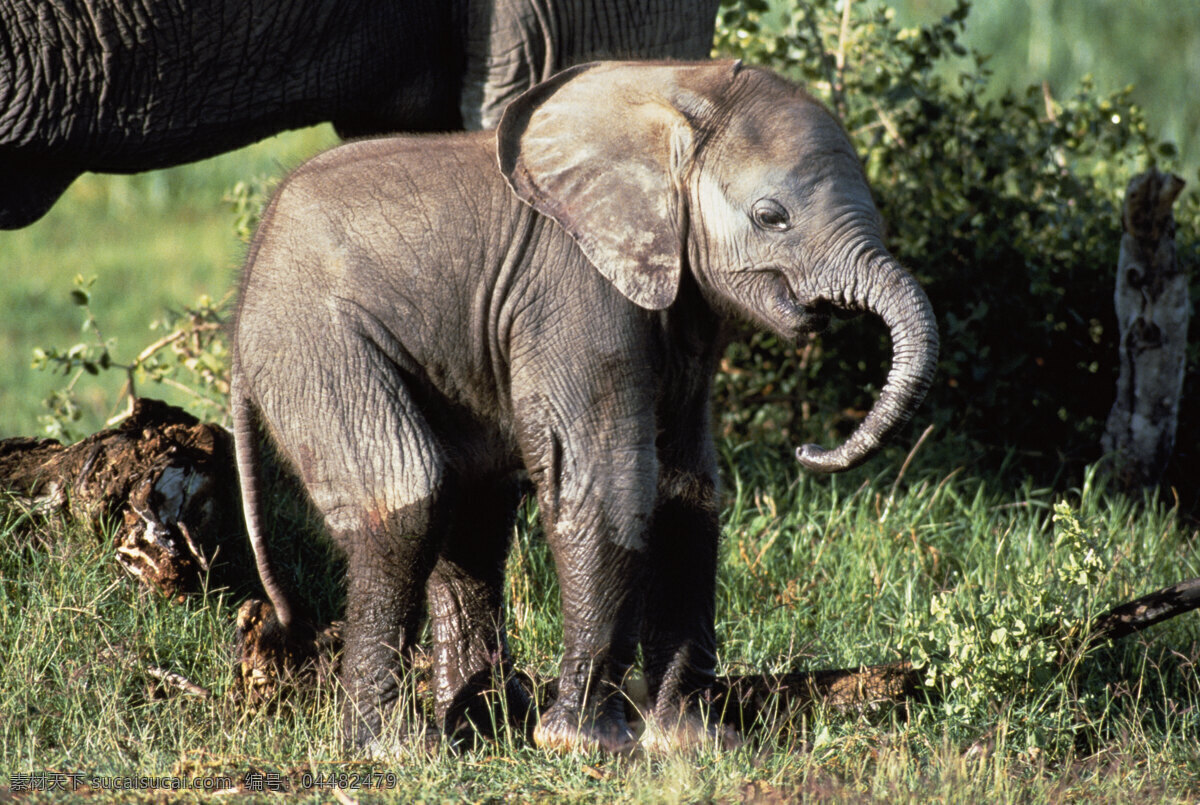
815	573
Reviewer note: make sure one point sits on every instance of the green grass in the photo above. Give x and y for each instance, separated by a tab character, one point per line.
815	573
156	241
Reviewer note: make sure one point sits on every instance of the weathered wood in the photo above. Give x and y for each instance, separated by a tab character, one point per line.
166	478
271	661
741	700
1152	317
1148	610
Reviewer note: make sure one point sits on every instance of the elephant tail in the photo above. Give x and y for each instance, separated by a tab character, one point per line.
249	467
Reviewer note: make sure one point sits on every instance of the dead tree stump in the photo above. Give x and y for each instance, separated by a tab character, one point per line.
271	660
1152	317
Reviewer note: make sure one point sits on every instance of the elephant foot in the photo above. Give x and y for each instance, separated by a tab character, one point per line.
478	714
389	728
563	729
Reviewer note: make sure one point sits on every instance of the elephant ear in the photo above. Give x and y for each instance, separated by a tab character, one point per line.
602	149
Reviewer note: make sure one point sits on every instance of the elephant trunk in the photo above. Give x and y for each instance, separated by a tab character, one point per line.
887	290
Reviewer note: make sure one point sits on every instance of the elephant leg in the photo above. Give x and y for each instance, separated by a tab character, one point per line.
679	650
30	187
679	646
384	599
375	470
601	588
595	477
474	687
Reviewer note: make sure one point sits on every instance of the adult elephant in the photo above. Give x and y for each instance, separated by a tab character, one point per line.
120	86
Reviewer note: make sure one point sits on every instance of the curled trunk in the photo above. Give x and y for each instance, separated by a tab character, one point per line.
891	293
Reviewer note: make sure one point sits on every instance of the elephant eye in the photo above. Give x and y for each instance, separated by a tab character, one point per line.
770	214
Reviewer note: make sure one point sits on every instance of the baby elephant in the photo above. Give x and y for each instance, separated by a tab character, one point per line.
423	319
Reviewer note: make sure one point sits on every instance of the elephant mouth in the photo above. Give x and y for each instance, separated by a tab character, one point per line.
812	318
803	316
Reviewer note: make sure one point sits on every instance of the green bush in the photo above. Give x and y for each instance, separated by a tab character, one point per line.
1006	208
1025	644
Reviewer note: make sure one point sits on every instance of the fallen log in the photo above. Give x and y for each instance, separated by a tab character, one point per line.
744	698
163	476
1148	610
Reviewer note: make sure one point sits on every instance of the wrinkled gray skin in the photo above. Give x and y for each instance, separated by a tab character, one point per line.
416	328
119	86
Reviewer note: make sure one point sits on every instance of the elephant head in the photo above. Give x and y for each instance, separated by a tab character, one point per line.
738	177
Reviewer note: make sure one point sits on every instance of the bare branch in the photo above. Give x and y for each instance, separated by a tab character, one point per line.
178	681
1148	610
888	125
839	89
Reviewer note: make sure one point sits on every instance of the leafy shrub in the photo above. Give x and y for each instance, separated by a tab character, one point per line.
1023	652
978	648
191	356
1007	209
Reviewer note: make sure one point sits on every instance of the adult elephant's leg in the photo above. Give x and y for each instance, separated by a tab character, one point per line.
473	683
30	187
